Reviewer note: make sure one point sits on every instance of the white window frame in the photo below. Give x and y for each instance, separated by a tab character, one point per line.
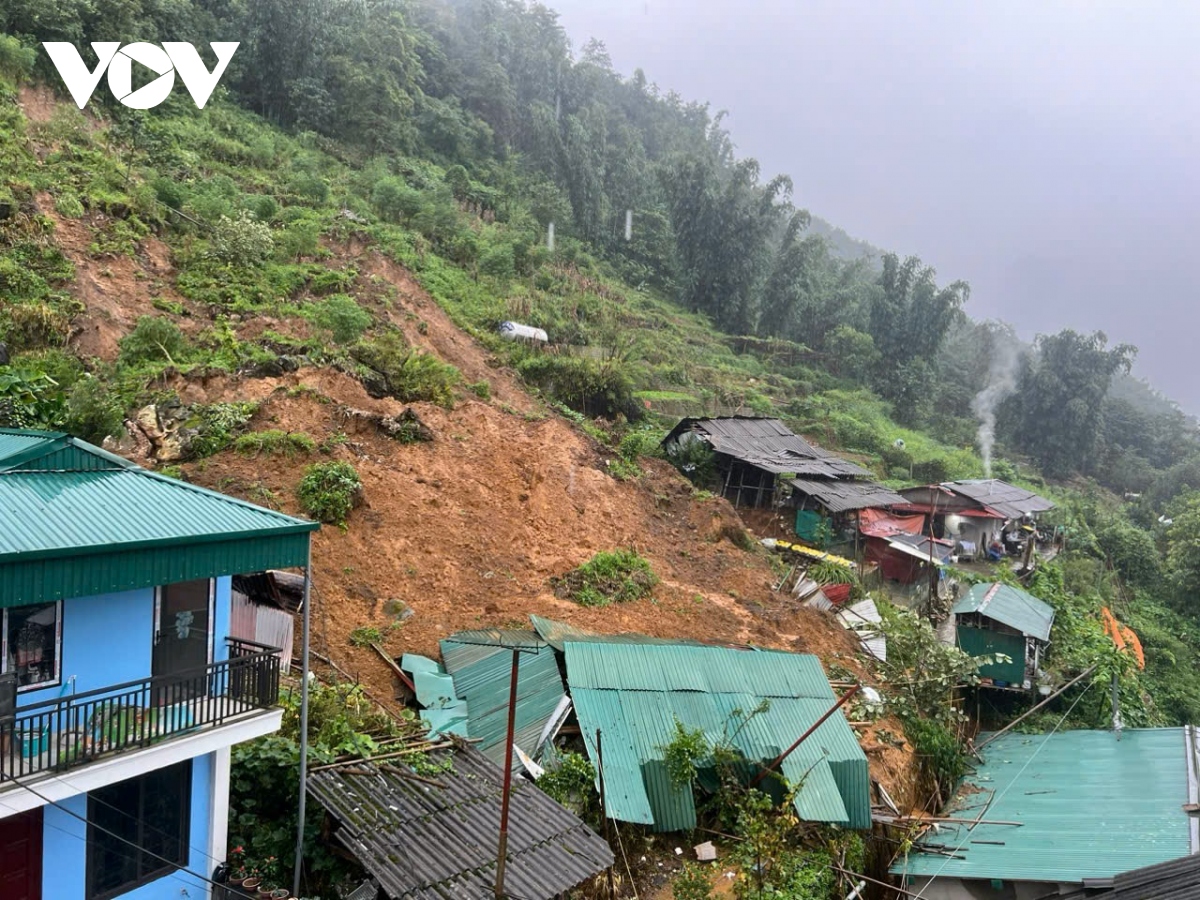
58	629
212	612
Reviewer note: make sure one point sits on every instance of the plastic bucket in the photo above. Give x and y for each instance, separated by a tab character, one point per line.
31	742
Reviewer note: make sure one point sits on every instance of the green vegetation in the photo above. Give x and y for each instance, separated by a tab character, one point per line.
274	442
408	375
365	636
329	491
618	576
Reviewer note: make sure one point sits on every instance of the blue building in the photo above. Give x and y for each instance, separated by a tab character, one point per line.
121	689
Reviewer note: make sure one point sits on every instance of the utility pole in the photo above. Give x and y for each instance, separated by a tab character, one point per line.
304	640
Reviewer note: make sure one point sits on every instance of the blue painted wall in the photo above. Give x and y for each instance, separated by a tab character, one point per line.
108	639
65	848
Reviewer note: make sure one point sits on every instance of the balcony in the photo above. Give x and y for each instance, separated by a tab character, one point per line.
75	731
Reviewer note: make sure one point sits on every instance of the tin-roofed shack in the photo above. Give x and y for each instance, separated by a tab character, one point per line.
761	464
977	514
998	618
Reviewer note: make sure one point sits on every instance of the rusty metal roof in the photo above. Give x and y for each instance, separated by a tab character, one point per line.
843	496
767	444
1178	879
435	837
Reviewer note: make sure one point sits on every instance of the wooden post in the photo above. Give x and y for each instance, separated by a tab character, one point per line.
612	884
502	852
800	740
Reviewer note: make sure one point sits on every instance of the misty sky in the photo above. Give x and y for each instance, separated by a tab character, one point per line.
1045	151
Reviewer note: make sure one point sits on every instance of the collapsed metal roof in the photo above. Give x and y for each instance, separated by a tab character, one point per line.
434	837
480	663
1089	806
635	693
766	444
844	496
1010	606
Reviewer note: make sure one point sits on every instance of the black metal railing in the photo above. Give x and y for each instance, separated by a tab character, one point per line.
71	731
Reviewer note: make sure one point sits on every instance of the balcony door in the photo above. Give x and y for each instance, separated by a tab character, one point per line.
183	615
21	856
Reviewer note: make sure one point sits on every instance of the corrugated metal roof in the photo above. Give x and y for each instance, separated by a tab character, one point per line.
1090	806
480	663
105	524
842	496
634	693
1006	498
557	633
1178	879
766	444
17	440
428	842
1010	606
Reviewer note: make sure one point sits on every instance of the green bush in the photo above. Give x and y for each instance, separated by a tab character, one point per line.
342	317
16	60
587	386
93	412
409	375
217	424
242	241
619	576
329	491
395	200
274	442
153	339
692	884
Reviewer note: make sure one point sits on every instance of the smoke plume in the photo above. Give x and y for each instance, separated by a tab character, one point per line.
1002	381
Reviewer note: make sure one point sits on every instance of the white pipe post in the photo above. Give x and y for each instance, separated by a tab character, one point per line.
303	720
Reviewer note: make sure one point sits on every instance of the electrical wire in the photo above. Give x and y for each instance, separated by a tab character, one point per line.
177	869
1000	796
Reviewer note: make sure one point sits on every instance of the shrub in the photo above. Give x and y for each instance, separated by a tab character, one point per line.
69	205
216	425
619	576
16	60
585	385
409	375
241	241
692	884
329	491
395	200
498	262
342	317
93	413
274	442
480	389
153	339
29	399
365	636
29	326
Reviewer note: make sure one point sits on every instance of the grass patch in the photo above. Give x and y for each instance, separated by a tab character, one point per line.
274	442
617	576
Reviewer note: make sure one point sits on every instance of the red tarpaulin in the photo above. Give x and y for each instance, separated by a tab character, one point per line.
893	565
837	594
878	523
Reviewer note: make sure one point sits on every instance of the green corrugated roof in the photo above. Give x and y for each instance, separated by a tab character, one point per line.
557	633
635	692
1011	606
480	663
1090	807
76	520
15	440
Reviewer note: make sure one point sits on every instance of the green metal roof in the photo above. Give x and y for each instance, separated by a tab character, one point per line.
1090	806
557	633
1010	606
76	520
634	693
16	440
480	663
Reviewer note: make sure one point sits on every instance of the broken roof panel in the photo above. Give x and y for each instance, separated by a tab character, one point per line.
635	693
1010	606
436	838
480	662
557	633
843	496
766	444
1090	806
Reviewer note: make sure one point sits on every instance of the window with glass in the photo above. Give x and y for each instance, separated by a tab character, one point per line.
32	644
138	830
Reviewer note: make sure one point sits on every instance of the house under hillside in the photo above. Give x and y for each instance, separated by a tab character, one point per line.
1059	813
762	464
973	513
1001	619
